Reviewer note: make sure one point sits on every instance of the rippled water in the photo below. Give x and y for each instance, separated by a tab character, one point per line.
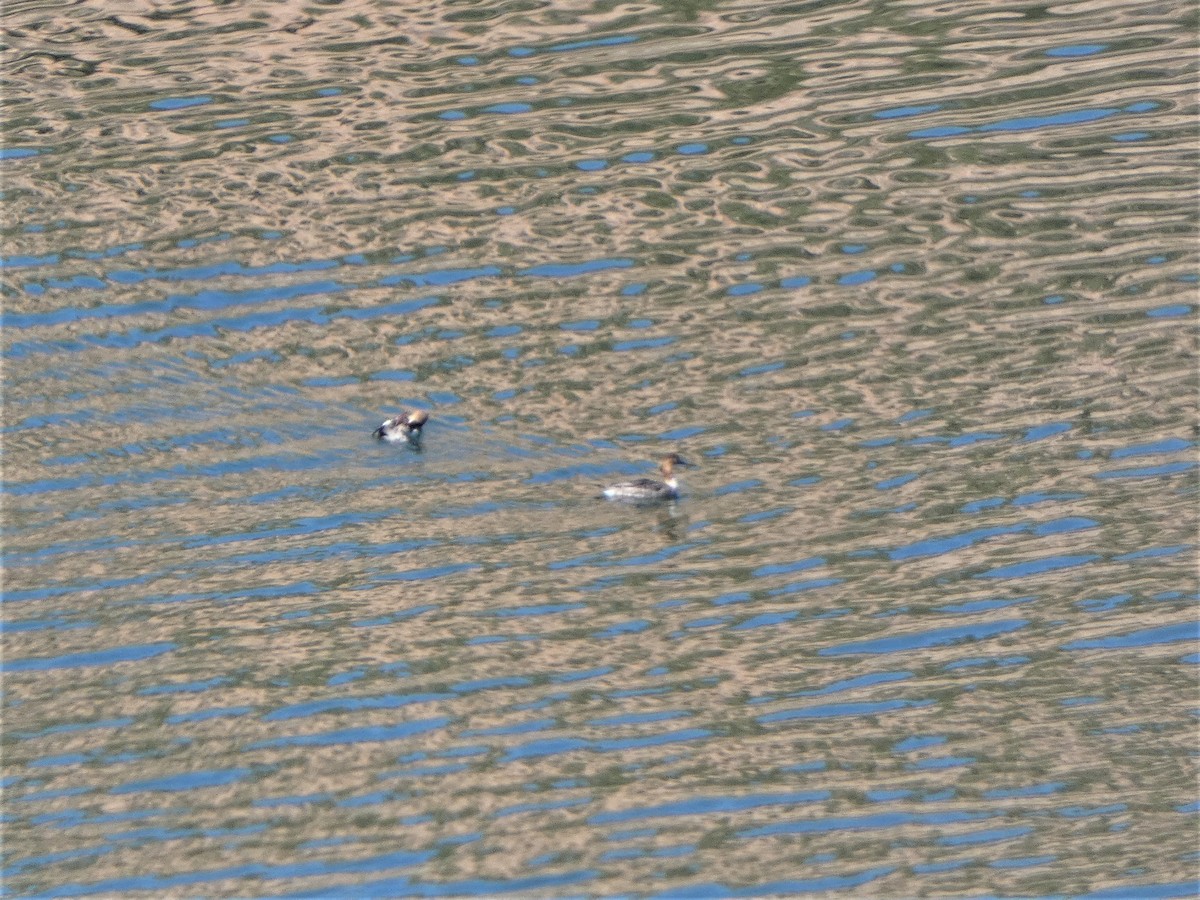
914	283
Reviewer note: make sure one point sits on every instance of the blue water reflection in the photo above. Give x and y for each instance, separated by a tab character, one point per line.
917	313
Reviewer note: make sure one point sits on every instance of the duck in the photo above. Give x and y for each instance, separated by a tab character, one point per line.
649	490
404	427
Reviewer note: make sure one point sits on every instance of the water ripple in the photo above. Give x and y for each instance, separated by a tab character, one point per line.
909	282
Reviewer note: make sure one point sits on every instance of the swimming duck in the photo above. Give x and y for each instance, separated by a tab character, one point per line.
645	490
404	427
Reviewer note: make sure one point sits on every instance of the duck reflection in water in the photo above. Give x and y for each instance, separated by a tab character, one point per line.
670	524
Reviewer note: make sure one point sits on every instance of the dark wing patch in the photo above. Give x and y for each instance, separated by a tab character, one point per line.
648	484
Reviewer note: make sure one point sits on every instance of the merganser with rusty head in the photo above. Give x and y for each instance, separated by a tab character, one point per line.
404	427
649	490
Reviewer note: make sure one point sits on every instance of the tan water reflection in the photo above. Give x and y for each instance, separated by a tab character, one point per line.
913	284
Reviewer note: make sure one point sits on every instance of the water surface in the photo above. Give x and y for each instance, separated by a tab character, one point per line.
915	285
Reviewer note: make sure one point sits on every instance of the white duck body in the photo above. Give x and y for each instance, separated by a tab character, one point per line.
649	490
404	427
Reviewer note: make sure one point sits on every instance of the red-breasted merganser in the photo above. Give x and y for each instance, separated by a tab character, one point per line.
648	490
404	427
